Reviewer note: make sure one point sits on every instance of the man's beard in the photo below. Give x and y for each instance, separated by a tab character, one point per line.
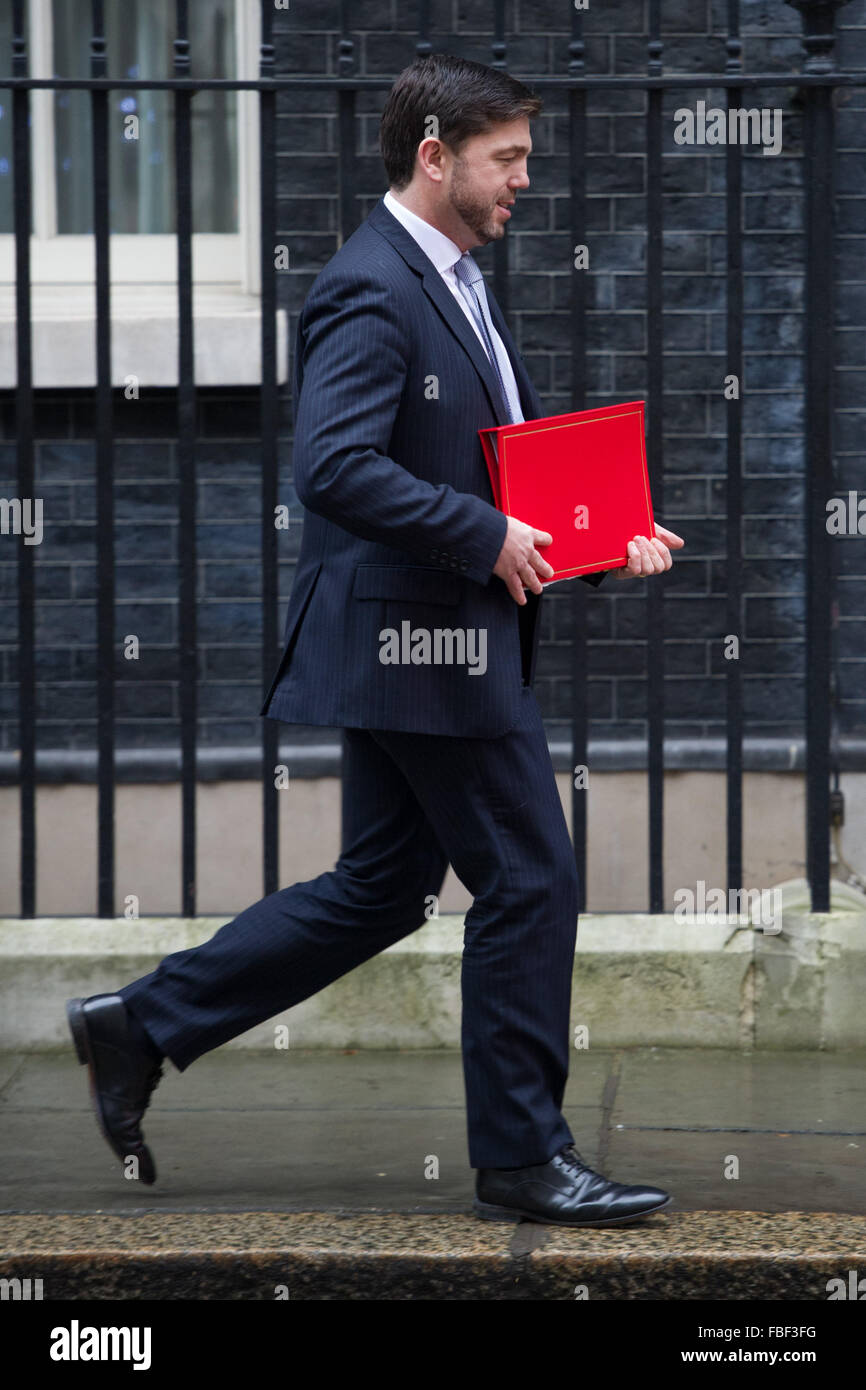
478	215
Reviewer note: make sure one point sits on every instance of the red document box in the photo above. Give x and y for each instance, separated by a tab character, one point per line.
582	477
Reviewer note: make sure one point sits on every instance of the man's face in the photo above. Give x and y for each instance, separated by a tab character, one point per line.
479	183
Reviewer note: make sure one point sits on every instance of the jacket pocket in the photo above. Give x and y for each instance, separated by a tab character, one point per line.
412	583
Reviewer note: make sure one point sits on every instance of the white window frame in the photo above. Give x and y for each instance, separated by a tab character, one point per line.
226	274
146	258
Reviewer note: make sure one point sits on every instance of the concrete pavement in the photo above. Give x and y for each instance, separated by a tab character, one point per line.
320	1155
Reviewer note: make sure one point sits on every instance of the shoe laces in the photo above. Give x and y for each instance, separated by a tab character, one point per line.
572	1157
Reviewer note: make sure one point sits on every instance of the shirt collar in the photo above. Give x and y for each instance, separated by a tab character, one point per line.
438	248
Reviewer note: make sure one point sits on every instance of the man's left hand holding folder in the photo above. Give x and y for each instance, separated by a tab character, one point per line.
650	556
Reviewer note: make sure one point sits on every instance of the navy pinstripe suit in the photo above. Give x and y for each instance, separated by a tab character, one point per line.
442	763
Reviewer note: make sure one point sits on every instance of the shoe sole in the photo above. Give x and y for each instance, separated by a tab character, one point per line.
81	1038
488	1212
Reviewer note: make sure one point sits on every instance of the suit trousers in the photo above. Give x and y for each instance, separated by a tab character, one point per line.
412	803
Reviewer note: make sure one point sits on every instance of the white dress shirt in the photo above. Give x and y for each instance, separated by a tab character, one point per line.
444	254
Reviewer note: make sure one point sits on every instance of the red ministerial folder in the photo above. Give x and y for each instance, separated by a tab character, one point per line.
582	477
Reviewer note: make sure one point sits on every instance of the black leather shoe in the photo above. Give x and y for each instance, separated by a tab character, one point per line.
122	1076
562	1192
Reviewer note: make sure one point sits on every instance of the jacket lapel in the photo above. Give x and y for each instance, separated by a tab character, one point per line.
440	295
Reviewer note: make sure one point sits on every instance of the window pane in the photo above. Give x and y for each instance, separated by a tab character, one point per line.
139	35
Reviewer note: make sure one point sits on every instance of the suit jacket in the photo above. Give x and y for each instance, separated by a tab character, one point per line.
400	534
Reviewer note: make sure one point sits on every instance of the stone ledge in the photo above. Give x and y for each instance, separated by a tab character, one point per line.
392	1255
144	336
639	979
312	752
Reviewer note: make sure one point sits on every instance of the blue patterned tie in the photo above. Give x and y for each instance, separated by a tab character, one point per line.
469	274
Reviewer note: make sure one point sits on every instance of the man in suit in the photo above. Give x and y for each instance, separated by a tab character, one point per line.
410	628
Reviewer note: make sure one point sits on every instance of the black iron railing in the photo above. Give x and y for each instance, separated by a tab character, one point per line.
816	82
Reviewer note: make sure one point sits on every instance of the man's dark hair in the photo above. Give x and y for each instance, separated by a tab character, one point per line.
466	98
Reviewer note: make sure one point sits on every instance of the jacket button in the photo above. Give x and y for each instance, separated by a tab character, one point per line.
434	554
464	564
454	562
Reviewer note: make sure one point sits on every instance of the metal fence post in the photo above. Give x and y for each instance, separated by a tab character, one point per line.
819	18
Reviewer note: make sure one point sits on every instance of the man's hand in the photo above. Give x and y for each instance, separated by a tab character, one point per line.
519	563
649	556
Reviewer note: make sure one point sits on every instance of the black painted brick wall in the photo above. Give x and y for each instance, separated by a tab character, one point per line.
694	408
